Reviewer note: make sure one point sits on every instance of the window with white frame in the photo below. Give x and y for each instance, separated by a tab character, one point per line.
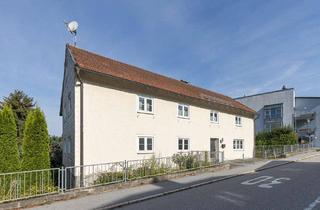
238	120
183	111
183	144
214	116
145	144
145	104
238	144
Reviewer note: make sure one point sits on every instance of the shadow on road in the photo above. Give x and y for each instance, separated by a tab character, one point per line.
170	185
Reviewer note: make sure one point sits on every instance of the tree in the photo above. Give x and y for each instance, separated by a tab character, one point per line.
20	104
9	154
56	151
35	146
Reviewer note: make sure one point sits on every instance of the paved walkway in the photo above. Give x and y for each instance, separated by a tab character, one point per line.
108	198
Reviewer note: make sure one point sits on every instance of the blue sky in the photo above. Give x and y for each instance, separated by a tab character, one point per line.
232	47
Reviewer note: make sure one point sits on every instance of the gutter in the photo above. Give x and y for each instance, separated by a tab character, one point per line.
77	70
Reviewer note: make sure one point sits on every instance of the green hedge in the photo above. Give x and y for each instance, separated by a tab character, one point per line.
277	136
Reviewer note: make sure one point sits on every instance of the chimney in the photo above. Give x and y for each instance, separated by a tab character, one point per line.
186	82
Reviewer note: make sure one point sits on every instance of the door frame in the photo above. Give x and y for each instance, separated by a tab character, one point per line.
217	145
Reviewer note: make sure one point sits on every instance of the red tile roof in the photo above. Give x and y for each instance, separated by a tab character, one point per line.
97	63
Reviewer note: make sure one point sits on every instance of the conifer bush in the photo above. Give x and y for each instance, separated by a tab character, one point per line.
35	147
9	153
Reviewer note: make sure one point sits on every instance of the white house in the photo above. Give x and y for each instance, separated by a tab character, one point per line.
113	111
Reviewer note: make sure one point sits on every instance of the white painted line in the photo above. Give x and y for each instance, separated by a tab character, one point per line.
313	204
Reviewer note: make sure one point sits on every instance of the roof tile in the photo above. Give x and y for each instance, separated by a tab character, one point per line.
98	63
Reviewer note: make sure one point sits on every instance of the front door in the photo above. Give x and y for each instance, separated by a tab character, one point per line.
214	148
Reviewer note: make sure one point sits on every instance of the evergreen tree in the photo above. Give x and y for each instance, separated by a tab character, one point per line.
35	147
20	104
56	151
9	154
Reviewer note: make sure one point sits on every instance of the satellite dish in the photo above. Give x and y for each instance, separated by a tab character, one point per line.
72	26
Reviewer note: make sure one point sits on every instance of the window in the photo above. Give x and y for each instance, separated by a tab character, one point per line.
145	144
145	104
273	112
273	116
214	117
238	144
183	144
183	111
238	121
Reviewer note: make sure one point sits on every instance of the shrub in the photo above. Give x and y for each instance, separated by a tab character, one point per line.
35	142
147	168
277	136
185	161
9	153
108	177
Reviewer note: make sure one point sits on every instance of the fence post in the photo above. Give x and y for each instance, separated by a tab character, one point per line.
265	154
274	153
125	171
61	176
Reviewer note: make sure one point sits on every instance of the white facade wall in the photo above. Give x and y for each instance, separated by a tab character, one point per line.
112	124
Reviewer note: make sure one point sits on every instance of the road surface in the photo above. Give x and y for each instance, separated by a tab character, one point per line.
292	186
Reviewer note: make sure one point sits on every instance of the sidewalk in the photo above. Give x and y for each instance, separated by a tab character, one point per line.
123	195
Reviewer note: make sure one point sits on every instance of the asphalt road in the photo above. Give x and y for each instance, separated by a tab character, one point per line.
292	186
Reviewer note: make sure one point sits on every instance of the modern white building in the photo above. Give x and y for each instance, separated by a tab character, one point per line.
282	108
113	111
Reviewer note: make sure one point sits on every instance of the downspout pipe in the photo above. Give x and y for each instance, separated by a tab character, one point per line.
77	69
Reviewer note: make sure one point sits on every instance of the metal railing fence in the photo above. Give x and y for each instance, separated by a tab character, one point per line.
76	177
183	161
26	184
279	151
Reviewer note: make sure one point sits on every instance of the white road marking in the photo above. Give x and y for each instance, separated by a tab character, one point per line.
276	181
265	179
313	204
257	180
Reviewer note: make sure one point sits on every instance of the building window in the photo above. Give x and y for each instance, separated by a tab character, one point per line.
214	117
273	115
145	104
183	111
183	144
238	144
238	120
145	144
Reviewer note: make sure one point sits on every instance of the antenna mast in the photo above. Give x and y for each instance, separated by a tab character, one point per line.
72	28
